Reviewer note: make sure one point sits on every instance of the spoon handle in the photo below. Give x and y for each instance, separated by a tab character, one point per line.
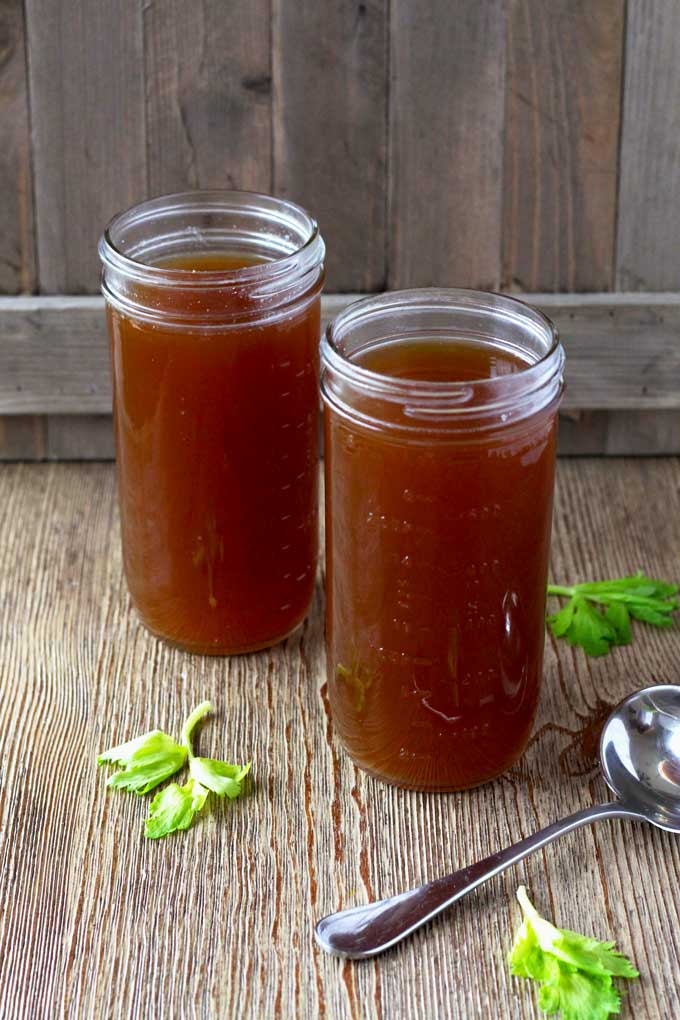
367	930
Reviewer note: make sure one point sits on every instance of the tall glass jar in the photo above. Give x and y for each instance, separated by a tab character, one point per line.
440	430
213	302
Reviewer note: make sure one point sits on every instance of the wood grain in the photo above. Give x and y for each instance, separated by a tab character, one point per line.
208	96
86	64
623	352
54	356
561	144
217	922
619	433
79	437
22	437
446	143
329	64
648	253
17	256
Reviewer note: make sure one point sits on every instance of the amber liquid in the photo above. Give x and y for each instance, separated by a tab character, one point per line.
217	441
437	557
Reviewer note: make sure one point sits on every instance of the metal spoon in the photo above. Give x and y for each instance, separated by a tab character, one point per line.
640	762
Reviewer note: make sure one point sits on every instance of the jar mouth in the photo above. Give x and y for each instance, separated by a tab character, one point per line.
427	313
291	242
282	268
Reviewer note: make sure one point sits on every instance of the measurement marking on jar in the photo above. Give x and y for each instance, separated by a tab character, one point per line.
416	497
397	656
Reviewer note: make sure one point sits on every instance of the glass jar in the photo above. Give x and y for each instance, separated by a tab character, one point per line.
213	303
440	430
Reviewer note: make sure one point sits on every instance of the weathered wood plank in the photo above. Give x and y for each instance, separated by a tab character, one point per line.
623	352
88	128
561	144
17	256
329	64
447	99
54	356
208	96
22	437
648	250
217	922
80	437
619	433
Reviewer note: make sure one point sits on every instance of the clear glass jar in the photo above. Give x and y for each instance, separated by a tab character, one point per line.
440	431
213	302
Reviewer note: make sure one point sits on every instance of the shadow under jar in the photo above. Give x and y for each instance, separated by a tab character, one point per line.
213	303
440	431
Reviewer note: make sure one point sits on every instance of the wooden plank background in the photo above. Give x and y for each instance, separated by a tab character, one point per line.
17	257
217	922
208	102
528	145
648	246
446	143
329	64
561	145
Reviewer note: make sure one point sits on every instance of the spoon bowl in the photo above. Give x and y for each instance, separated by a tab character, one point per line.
640	762
640	754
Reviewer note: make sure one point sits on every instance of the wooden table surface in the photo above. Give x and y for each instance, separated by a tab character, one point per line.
96	921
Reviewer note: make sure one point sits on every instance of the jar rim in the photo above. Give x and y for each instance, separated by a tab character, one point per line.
537	382
213	200
487	403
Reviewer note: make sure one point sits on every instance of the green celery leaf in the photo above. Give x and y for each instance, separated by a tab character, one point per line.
659	605
122	753
579	996
657	616
590	629
144	762
638	597
637	584
198	713
575	972
618	617
561	622
219	776
148	760
600	958
174	808
526	958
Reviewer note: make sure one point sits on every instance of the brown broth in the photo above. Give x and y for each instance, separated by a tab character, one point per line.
217	467
437	557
